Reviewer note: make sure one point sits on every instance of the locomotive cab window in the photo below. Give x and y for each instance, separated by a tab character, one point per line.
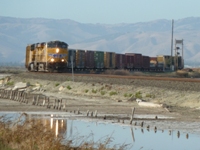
51	45
62	45
32	47
57	44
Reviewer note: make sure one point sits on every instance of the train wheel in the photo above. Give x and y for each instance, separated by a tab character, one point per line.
29	68
61	70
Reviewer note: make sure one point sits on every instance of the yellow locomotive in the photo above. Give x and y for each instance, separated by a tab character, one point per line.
47	56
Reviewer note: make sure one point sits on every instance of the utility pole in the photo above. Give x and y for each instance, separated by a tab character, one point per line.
72	67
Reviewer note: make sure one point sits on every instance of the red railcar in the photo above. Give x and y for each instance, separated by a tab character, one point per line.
145	62
137	60
89	59
120	61
129	61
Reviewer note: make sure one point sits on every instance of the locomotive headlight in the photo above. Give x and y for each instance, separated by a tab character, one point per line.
52	60
62	60
57	50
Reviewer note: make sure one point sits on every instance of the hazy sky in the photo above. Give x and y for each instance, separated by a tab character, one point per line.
101	11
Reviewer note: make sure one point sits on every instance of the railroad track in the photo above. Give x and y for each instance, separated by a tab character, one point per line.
120	76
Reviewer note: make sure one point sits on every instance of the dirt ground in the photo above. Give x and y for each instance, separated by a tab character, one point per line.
114	98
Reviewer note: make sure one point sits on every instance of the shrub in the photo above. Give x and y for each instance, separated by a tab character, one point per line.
94	91
109	87
150	95
68	87
11	83
125	95
181	73
138	94
102	88
194	74
128	95
112	93
57	84
103	92
86	90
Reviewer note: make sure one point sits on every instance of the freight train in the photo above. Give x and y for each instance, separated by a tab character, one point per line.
56	56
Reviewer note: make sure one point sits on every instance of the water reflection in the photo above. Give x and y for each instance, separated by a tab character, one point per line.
145	137
178	134
58	125
132	133
187	136
150	139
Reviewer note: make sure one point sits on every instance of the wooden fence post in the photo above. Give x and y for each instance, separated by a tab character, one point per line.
133	110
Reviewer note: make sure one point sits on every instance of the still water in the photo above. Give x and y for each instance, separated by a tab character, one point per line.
120	134
136	137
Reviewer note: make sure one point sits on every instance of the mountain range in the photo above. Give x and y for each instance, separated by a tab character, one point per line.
148	38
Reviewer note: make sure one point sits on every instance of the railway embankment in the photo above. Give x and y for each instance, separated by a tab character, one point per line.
115	94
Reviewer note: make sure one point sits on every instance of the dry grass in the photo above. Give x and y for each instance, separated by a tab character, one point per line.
182	73
195	74
32	134
28	135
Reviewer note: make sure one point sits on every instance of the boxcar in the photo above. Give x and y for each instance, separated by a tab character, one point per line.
120	61
129	60
145	62
137	60
99	59
80	59
109	60
89	59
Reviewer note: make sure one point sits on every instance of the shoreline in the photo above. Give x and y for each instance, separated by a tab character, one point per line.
182	105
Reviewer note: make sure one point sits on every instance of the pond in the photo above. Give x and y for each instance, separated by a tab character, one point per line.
136	137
